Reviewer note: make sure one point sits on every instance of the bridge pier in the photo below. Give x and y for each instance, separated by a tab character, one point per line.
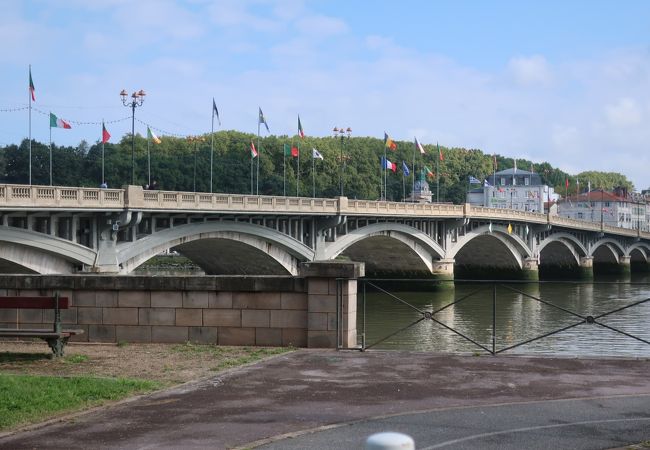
586	268
325	280
530	269
624	266
443	270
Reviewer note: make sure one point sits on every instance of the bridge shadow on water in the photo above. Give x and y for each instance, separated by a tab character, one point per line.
606	317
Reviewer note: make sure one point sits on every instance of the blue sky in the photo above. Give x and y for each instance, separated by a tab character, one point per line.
561	81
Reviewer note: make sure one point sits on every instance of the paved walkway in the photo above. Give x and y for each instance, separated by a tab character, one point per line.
448	401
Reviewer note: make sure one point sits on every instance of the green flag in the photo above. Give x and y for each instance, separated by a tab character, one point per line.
287	150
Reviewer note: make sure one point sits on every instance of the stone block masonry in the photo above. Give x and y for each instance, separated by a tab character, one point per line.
228	310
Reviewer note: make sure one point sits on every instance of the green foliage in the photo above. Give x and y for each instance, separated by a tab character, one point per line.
26	398
178	164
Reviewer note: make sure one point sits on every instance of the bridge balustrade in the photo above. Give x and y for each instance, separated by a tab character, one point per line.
58	197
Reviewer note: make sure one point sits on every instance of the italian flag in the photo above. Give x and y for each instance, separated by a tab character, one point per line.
152	136
301	132
31	85
55	122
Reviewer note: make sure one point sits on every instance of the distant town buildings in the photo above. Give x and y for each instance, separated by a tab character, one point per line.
513	189
617	208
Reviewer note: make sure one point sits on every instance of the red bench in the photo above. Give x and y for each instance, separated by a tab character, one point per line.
55	337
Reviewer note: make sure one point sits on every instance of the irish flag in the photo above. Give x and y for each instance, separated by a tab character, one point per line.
55	122
152	136
301	132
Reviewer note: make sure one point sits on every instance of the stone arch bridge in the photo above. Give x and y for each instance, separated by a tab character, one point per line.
59	230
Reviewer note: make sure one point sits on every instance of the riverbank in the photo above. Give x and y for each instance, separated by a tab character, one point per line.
289	400
86	375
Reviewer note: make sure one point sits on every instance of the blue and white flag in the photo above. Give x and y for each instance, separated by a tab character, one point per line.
485	183
405	169
473	180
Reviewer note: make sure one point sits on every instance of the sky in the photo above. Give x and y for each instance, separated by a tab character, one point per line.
566	82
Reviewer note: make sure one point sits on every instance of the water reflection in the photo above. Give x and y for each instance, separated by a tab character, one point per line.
519	317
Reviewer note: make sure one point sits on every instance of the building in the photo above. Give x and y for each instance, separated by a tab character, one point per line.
617	208
513	189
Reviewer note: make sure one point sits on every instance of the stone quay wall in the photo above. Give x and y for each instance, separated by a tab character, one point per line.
223	310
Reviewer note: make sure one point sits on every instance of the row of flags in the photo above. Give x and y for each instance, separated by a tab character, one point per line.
289	150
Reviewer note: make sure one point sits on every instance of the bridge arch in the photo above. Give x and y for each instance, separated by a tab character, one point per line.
561	249
222	247
508	245
378	241
639	250
607	250
41	253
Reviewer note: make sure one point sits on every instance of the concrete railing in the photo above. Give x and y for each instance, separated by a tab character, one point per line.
44	197
134	197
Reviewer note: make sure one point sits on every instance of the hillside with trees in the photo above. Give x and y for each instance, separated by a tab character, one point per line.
173	163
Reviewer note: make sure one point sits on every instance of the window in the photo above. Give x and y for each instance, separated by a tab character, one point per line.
527	181
502	182
580	216
606	204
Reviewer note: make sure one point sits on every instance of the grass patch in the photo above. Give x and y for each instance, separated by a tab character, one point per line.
25	398
229	356
75	359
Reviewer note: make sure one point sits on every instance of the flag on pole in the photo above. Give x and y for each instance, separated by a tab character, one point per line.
388	142
440	155
486	183
405	169
31	85
301	132
215	111
287	150
386	164
263	120
152	136
253	151
566	183
105	134
419	146
294	151
316	154
428	171
55	122
474	180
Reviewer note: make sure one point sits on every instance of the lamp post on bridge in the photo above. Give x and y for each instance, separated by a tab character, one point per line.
138	100
343	134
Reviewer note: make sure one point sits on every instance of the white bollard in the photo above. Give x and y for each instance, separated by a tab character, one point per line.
390	441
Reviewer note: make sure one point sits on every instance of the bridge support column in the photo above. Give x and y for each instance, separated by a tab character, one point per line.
530	269
326	281
586	269
624	265
443	270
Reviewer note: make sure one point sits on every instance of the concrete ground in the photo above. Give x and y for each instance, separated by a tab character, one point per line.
328	399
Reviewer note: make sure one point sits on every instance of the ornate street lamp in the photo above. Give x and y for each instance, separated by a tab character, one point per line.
344	134
196	140
137	100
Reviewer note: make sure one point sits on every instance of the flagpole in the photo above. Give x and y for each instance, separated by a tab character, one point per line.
259	155
298	175
438	174
403	184
149	160
250	151
384	169
313	175
284	170
50	150
211	146
102	153
413	191
29	93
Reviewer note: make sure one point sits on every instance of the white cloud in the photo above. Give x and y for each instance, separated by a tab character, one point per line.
321	26
531	71
625	113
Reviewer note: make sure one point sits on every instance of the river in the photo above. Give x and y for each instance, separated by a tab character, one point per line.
518	318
